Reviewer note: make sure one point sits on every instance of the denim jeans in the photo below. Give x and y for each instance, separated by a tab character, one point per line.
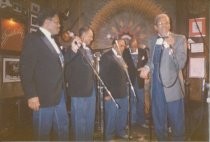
163	112
83	117
137	105
49	119
116	119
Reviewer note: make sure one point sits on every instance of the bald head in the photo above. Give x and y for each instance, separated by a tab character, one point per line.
161	16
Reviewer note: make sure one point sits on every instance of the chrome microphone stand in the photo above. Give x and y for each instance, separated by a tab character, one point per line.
130	88
100	88
100	100
99	78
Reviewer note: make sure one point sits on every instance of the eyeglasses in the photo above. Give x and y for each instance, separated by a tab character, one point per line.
163	23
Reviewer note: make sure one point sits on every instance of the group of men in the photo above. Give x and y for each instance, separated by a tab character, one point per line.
48	74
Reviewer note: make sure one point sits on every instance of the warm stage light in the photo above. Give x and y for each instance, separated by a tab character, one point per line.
11	22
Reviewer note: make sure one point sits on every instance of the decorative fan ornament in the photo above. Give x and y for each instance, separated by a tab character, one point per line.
124	19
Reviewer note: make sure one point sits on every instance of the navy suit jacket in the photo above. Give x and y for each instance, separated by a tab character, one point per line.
41	70
132	69
113	75
79	76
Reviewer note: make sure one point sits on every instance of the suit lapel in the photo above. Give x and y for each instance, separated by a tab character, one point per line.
120	62
50	46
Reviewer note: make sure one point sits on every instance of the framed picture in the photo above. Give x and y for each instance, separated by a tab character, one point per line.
12	35
197	27
11	70
33	29
197	47
35	8
197	67
17	7
34	20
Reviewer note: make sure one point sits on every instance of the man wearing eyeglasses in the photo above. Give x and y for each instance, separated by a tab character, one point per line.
168	54
42	65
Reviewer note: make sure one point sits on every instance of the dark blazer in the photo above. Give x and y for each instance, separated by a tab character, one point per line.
113	75
132	69
41	70
79	76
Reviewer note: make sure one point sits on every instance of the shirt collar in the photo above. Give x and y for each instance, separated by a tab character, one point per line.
115	52
85	46
159	36
45	32
136	52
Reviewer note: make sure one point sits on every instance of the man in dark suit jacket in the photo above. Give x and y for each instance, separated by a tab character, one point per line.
136	57
113	72
80	83
41	66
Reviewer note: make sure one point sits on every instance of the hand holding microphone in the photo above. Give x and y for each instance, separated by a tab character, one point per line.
168	43
169	40
76	44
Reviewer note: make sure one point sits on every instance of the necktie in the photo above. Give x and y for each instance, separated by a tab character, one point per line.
61	59
60	55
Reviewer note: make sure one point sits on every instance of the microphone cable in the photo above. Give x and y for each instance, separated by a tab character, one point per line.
160	76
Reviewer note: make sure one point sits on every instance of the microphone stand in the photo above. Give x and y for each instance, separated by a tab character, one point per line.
100	100
100	88
130	88
129	105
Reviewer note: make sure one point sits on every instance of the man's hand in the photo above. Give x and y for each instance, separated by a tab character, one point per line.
170	40
76	43
33	103
144	72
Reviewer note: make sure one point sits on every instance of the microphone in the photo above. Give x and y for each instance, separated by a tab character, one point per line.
97	56
78	44
65	14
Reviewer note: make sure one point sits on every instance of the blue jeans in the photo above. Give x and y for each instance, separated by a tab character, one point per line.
137	106
115	119
51	118
165	113
171	113
83	117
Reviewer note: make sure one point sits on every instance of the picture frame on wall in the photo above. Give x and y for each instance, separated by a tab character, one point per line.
197	67
12	35
11	71
197	27
35	8
33	29
34	22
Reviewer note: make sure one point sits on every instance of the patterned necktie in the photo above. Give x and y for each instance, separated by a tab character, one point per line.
61	59
60	55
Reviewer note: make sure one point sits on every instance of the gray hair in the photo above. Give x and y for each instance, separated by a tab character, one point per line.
158	17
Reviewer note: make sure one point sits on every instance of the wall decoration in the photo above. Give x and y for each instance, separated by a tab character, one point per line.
197	27
197	67
34	20
121	18
35	8
11	70
17	7
12	34
5	3
197	47
33	29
